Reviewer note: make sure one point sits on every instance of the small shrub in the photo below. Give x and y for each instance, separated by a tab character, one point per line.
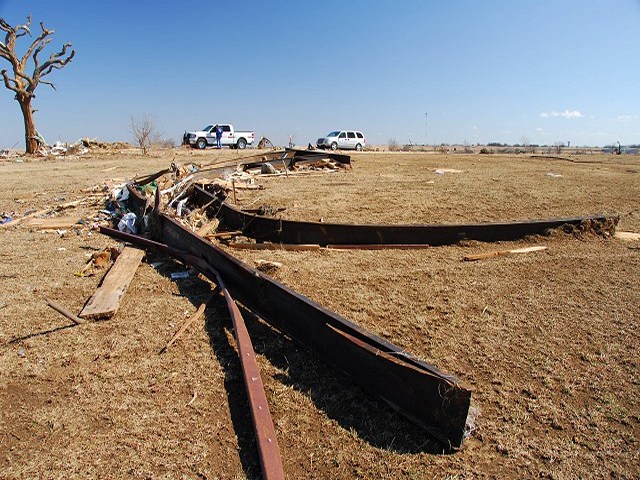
486	151
393	145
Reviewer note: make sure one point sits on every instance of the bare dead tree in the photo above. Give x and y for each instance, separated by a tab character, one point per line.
23	84
557	147
144	132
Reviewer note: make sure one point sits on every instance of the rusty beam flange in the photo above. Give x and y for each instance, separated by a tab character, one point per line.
277	230
433	399
267	442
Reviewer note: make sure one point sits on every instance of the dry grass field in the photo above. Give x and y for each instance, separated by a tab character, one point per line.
547	340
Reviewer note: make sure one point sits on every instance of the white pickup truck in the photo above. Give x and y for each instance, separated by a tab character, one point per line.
207	137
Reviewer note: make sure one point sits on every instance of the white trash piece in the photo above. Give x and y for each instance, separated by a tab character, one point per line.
128	223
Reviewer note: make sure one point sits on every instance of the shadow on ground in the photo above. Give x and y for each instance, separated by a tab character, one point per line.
331	391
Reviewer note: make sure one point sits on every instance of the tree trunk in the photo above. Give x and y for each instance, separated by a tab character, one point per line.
29	126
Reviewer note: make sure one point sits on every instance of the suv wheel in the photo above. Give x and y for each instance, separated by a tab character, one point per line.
242	144
334	146
358	148
201	143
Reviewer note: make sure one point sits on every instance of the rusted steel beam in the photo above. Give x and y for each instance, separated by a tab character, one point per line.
300	155
277	230
291	157
262	423
434	400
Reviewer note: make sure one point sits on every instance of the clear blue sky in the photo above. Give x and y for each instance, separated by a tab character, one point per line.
484	71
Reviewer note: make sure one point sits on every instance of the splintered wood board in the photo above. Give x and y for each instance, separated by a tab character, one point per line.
105	301
627	236
54	223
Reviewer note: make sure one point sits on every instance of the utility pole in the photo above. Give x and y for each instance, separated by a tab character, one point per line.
426	129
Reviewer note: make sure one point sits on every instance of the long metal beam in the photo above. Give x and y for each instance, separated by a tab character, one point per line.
435	400
277	230
262	423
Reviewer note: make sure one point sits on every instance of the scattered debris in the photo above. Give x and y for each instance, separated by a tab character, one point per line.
193	399
267	265
198	313
497	253
434	400
54	223
60	309
128	223
554	175
442	171
275	246
106	299
264	142
178	275
98	261
627	236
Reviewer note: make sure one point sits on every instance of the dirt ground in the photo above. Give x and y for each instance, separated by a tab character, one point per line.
547	340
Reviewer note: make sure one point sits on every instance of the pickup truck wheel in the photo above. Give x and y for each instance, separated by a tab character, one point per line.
201	143
242	144
358	148
334	146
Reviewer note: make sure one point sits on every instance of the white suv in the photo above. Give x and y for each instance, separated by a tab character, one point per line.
343	140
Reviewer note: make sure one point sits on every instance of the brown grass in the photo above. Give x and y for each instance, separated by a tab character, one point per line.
548	340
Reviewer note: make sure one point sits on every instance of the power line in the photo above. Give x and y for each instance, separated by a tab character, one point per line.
426	129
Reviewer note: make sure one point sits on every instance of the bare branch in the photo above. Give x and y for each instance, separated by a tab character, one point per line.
55	61
5	26
39	42
7	80
4	51
36	60
48	83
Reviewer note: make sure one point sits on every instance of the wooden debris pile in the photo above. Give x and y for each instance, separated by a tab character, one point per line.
174	185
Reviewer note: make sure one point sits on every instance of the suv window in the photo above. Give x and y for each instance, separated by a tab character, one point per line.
342	135
359	135
351	135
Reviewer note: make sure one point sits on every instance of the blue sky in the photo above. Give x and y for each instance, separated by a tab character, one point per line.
483	71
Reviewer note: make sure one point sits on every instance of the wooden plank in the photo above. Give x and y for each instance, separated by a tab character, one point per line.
54	223
497	253
106	299
382	246
16	221
275	246
627	236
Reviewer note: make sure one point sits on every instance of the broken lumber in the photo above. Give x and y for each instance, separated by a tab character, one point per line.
54	223
198	313
106	299
627	236
205	229
497	253
381	246
16	221
275	246
60	309
223	235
